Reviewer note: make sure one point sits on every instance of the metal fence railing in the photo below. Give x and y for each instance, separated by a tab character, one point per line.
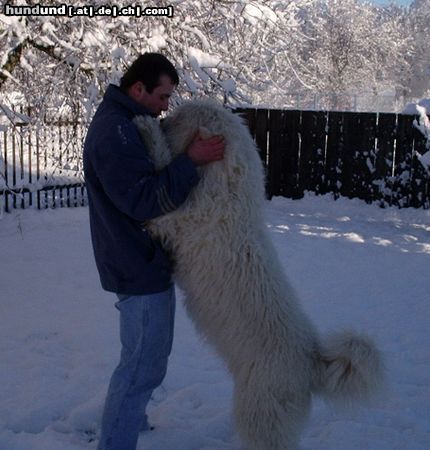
41	167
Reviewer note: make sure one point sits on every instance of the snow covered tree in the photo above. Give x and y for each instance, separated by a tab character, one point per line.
225	48
58	67
351	47
241	51
416	81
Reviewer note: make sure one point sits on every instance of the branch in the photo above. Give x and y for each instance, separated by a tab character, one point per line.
15	54
12	61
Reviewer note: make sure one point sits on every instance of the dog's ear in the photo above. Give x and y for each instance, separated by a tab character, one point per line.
205	133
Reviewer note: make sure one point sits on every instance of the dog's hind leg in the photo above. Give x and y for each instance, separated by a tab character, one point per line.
267	421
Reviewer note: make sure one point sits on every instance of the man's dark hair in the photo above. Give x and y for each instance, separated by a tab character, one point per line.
148	68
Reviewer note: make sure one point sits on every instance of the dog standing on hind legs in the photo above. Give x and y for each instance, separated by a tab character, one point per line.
237	293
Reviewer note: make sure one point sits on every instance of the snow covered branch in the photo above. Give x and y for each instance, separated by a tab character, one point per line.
253	51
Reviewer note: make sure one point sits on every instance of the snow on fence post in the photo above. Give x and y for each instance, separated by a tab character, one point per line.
420	183
403	161
384	162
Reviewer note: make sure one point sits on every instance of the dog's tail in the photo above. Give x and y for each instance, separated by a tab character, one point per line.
350	368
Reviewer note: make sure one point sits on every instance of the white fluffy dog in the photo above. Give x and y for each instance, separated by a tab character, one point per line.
236	290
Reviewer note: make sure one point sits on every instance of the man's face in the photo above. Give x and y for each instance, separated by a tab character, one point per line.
158	100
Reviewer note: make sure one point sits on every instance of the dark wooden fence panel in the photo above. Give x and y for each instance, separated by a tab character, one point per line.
349	133
384	163
363	156
249	116
261	130
371	156
276	171
403	161
312	152
290	153
420	179
333	160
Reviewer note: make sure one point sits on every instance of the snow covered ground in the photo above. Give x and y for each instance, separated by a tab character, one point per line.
354	265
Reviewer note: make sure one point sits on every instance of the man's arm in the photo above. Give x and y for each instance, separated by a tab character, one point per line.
128	175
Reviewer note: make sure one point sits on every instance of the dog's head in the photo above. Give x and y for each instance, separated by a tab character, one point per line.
205	117
239	174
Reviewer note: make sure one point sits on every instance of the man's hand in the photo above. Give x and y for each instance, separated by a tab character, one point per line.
203	151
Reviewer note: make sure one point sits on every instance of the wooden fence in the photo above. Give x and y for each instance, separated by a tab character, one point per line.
371	156
41	167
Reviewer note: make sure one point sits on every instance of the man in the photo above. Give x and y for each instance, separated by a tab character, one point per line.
124	190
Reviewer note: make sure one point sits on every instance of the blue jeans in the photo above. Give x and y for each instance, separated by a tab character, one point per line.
146	330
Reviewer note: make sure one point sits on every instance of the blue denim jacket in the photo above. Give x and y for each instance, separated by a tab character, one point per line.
124	190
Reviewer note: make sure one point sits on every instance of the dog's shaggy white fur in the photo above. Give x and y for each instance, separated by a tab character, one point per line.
236	290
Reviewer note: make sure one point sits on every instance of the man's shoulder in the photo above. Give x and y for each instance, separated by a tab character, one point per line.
109	119
114	132
111	112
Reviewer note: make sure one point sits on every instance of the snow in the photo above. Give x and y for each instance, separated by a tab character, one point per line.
118	53
203	59
425	159
26	65
203	39
196	67
91	97
228	85
9	117
424	124
158	39
94	38
192	86
353	264
413	108
254	13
